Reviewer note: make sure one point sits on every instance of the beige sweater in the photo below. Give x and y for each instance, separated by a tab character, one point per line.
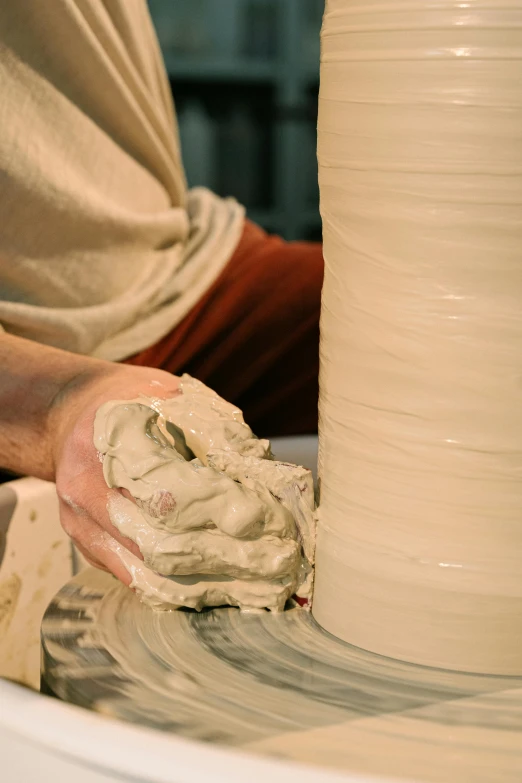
102	251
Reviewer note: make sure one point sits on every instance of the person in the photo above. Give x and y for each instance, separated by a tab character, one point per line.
113	278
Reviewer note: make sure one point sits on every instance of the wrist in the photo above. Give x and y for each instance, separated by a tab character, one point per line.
32	376
75	395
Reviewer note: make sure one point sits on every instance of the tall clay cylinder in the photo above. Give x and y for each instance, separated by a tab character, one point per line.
419	551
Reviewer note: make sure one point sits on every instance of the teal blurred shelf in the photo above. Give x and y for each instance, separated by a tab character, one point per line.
310	71
273	220
218	69
233	70
311	217
230	41
267	218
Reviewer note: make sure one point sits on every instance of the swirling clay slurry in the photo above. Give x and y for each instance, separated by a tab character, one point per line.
216	518
419	546
277	684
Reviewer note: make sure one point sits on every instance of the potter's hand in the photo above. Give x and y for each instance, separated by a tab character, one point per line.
191	491
204	502
77	470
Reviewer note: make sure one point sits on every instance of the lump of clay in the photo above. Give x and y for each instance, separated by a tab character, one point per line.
216	518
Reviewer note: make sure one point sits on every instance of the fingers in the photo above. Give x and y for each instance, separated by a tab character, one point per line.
217	537
183	496
195	592
90	486
203	590
204	551
88	557
213	552
94	543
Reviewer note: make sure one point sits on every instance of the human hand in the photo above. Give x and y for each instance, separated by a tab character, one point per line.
193	493
77	470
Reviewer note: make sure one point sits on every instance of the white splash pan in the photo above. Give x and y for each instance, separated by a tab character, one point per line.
43	739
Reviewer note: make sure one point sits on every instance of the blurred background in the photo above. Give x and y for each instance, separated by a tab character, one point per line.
245	78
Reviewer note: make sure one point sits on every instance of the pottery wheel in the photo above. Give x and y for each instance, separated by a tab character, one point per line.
279	685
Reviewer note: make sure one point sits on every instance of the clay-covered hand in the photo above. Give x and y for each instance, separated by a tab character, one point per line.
191	491
76	467
215	518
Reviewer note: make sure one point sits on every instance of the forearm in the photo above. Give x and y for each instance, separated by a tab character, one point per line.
32	378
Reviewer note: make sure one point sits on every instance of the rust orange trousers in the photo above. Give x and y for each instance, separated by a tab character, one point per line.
254	336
